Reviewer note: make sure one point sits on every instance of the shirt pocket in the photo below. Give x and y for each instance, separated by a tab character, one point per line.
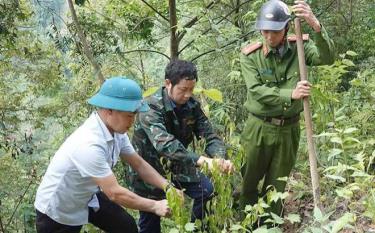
291	80
269	80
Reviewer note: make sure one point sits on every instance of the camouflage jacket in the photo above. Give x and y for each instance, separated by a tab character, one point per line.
162	136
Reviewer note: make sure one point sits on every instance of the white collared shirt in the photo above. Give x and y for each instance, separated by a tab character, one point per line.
67	186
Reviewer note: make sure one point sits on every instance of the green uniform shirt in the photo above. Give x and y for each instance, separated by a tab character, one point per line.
270	78
162	136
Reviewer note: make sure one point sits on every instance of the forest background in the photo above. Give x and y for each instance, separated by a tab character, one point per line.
53	58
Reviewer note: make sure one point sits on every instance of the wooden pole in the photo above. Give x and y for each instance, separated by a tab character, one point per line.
308	118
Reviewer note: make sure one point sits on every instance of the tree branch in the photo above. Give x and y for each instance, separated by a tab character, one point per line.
1	224
19	202
226	45
152	8
86	49
233	10
221	20
147	50
193	21
329	6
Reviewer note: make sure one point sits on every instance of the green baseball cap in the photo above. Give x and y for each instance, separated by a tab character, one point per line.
120	93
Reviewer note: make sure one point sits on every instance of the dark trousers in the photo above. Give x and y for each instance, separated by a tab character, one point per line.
201	192
111	218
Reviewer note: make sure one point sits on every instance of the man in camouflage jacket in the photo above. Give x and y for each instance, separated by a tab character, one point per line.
162	136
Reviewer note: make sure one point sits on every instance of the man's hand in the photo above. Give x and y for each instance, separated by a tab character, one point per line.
224	165
161	208
302	90
170	187
302	10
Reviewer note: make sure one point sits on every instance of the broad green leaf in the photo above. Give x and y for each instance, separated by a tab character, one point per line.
214	94
261	230
351	53
350	130
236	227
318	216
293	218
277	219
347	62
351	139
336	140
325	134
150	91
338	178
340	118
174	230
344	193
248	208
342	222
274	230
359	174
356	82
333	153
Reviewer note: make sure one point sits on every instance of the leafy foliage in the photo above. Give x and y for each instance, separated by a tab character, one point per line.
46	80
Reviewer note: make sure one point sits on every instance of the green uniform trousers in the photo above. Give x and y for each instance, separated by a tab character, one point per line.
270	153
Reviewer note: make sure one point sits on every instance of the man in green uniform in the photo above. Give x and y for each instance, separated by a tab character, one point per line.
162	136
274	96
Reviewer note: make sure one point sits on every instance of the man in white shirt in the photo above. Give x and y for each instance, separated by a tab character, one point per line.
79	185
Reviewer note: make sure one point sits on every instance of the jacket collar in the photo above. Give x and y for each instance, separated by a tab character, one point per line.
168	103
267	50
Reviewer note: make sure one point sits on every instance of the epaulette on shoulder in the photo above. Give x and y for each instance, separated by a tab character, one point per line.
251	48
293	38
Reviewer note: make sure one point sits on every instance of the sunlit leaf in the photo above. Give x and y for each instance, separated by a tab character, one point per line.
350	130
293	218
277	219
336	140
344	193
351	53
150	91
334	177
318	216
189	226
347	62
261	230
236	227
214	94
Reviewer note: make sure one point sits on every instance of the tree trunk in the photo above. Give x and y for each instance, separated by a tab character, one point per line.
173	25
86	48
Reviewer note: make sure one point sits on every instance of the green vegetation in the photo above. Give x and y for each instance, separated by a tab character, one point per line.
46	78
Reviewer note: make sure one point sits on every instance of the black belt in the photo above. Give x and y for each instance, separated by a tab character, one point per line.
279	121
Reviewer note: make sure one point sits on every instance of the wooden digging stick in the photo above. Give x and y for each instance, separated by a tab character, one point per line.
308	118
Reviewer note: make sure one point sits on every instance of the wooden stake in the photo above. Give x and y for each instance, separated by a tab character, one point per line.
308	118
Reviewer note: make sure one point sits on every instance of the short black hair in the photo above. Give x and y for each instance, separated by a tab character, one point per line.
177	70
